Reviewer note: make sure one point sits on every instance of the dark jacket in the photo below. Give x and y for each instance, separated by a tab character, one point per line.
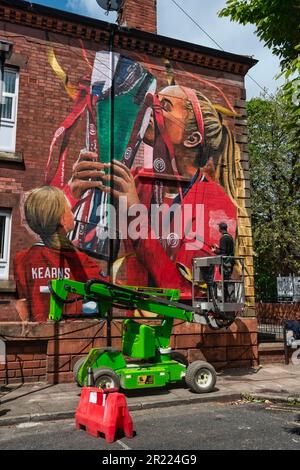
293	325
226	247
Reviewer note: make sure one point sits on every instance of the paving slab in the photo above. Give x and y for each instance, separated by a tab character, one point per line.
40	402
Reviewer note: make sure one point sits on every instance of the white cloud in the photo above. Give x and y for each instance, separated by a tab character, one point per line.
231	36
90	8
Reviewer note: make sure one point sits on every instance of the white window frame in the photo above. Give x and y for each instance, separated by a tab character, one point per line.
4	260
11	123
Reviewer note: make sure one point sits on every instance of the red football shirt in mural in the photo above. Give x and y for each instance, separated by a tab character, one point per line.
36	266
155	261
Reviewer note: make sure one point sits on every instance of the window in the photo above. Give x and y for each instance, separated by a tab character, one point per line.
5	230
8	122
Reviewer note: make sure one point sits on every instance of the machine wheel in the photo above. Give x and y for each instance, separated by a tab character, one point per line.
77	366
104	377
200	377
176	356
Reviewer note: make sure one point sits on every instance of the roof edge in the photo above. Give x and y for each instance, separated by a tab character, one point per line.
37	9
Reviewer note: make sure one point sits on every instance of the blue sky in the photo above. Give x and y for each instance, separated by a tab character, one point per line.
173	23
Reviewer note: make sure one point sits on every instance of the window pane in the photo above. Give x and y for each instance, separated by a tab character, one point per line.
2	235
9	82
7	108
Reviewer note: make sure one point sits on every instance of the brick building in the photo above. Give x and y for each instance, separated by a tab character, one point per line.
53	53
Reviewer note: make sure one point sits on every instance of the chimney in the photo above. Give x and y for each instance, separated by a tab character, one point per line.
139	14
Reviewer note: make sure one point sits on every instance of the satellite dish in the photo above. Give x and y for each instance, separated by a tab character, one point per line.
110	5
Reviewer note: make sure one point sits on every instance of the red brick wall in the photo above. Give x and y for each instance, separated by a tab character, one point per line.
26	362
274	315
43	104
49	351
234	347
139	15
272	357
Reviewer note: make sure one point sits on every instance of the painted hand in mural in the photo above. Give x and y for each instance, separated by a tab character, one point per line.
123	183
86	174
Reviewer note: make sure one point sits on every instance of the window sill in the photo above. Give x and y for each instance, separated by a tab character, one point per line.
7	286
11	157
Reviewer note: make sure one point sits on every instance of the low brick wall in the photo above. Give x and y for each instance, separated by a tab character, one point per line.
46	352
270	318
232	347
276	356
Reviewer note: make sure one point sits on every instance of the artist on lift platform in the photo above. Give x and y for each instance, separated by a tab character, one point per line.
225	248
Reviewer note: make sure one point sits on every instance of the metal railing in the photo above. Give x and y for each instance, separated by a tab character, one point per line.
223	289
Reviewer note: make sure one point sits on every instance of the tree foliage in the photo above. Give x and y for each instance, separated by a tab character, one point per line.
277	23
275	193
274	136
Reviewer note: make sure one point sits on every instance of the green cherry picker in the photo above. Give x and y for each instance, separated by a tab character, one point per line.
146	359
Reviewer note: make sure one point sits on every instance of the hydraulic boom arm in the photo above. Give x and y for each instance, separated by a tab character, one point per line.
163	302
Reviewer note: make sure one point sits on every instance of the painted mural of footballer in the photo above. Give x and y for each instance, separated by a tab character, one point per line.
190	142
48	214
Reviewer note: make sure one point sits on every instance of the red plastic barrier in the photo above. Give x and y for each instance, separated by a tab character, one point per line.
103	411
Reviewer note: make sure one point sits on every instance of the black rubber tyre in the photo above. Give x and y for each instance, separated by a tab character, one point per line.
104	377
201	377
176	356
77	366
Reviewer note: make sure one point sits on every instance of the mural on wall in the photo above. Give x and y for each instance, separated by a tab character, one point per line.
48	214
157	171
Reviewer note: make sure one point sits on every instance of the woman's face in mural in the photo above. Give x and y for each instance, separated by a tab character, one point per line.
173	102
67	220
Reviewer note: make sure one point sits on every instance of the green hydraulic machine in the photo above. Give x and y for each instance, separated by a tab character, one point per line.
146	359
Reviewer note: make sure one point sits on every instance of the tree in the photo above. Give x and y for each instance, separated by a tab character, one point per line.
278	25
274	136
275	193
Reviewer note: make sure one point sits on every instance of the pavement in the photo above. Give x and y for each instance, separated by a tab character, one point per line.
46	402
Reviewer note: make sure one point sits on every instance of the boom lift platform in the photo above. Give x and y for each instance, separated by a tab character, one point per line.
150	362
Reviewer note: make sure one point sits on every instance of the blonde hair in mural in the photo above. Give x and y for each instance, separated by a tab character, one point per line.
223	163
219	145
43	209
